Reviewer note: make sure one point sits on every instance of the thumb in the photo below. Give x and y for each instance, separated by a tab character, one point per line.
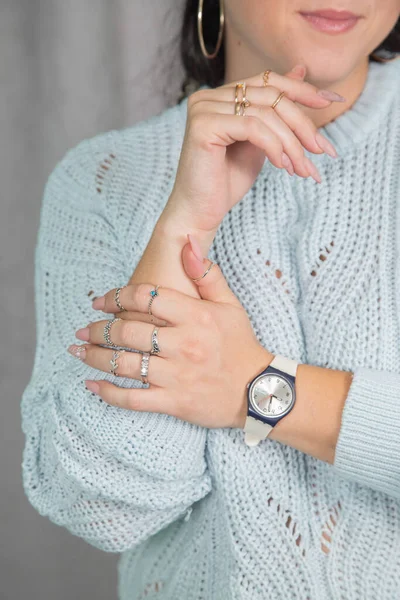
297	72
212	286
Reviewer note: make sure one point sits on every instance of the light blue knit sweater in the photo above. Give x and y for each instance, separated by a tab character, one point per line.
197	514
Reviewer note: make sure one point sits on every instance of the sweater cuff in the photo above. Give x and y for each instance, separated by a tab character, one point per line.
368	445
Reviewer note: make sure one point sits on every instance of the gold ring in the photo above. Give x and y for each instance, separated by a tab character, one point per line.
265	77
205	272
278	99
241	105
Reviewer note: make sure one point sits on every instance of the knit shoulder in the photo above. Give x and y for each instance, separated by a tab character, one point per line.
108	159
120	179
124	173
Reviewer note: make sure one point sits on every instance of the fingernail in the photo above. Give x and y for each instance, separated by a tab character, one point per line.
299	69
92	386
325	145
313	169
328	95
83	334
287	163
99	303
78	351
195	247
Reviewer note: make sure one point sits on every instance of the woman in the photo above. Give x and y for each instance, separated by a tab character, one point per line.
303	248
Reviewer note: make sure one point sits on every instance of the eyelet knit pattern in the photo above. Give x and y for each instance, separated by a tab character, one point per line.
196	514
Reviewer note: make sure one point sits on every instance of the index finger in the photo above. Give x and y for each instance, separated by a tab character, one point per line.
166	303
295	89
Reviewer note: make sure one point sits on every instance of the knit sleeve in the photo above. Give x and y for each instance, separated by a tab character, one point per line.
109	475
368	446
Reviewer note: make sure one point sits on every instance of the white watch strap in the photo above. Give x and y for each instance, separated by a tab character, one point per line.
254	429
287	365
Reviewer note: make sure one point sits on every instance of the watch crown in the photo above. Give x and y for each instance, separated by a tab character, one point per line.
248	385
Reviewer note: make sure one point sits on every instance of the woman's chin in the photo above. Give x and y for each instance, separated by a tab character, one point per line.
326	71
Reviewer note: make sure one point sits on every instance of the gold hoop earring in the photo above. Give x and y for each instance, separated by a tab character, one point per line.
200	29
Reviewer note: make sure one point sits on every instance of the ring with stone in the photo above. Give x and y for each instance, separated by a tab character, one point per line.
153	294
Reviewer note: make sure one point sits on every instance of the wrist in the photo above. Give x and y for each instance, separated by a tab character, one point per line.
174	229
258	363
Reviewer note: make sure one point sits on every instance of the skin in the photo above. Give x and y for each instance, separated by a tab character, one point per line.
266	32
257	37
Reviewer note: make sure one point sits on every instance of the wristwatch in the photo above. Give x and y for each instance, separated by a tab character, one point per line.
270	397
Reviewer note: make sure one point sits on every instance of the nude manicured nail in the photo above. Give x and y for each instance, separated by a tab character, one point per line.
92	386
83	334
77	351
325	145
99	303
287	163
195	247
312	169
333	96
299	70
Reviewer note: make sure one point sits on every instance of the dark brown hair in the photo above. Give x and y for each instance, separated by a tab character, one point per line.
200	70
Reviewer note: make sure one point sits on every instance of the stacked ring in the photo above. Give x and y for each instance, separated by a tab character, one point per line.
241	105
265	81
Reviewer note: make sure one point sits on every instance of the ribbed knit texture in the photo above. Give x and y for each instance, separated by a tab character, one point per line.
197	514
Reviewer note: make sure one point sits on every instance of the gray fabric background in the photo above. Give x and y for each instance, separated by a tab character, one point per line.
69	69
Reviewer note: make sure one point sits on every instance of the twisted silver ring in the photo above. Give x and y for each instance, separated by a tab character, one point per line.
153	294
107	328
144	366
116	298
113	362
155	348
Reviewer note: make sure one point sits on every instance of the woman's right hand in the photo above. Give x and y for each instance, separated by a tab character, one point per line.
222	153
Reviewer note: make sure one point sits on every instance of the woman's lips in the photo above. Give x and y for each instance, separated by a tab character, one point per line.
338	24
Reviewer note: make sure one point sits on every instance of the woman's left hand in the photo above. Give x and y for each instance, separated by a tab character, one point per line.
208	350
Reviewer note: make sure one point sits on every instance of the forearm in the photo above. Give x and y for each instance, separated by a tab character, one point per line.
161	261
313	424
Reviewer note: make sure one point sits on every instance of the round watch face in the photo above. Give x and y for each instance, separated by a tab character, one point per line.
271	395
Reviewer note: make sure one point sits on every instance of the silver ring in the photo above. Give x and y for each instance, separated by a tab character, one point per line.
116	298
144	366
210	266
113	361
107	328
155	348
153	294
